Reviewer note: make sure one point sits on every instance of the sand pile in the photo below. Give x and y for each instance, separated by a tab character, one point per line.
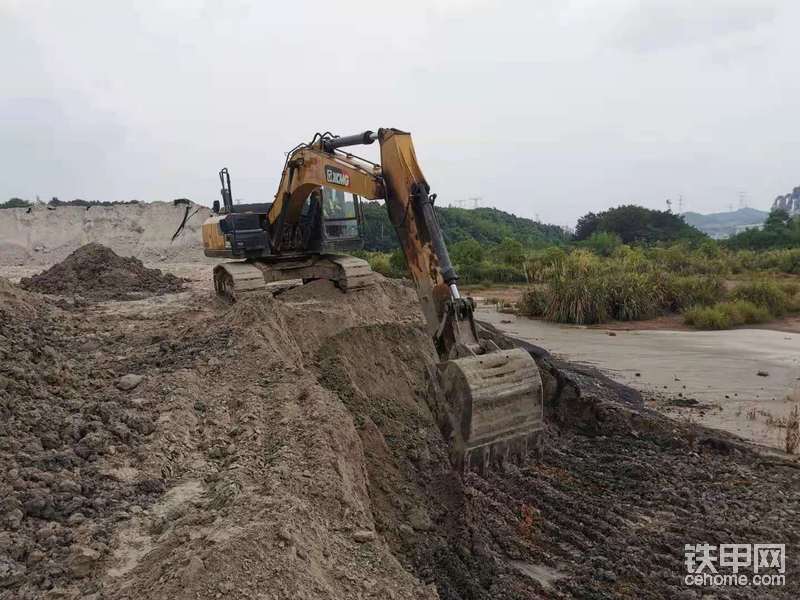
97	273
41	236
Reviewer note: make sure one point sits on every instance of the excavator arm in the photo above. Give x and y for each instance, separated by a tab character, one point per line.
488	401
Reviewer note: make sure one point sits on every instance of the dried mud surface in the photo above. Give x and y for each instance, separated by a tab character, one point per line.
180	448
96	273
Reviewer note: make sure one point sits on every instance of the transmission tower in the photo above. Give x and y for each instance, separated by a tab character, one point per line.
742	199
471	202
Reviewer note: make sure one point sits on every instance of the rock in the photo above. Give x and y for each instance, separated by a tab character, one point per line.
406	531
607	575
193	570
129	381
69	486
763	374
11	572
364	535
82	560
76	519
285	535
419	519
61	593
226	587
13	519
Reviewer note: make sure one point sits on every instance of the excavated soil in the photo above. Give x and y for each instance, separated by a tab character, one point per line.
283	447
95	272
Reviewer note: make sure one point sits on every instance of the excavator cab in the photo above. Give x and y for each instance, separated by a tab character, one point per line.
342	221
332	222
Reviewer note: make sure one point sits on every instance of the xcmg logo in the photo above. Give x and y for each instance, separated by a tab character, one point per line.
337	176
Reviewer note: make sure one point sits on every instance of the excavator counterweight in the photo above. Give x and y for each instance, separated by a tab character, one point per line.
488	401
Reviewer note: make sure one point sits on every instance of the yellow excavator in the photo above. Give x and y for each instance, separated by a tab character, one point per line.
487	401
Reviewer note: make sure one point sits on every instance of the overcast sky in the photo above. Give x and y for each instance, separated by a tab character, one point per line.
548	108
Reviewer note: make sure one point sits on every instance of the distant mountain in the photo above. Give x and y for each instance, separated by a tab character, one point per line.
724	224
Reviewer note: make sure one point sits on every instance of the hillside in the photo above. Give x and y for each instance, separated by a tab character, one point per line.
486	225
725	224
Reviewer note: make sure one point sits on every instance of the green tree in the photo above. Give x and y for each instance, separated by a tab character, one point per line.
509	252
586	226
15	203
780	231
777	221
467	253
637	224
603	243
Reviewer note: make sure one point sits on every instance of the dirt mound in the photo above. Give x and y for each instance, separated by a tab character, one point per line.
59	414
97	273
283	448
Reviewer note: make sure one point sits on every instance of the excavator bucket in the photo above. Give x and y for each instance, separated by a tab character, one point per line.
495	406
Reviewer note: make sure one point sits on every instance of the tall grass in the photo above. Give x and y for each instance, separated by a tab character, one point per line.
768	294
725	315
583	288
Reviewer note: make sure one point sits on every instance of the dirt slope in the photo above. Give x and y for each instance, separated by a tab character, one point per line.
283	448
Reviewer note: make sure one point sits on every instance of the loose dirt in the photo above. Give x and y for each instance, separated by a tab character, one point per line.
177	447
95	272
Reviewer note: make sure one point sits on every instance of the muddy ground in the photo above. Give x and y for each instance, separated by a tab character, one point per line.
177	447
744	381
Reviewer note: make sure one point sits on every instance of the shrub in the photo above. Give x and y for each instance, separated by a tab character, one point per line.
790	288
749	313
603	243
725	315
379	263
534	303
767	294
579	292
540	262
397	261
683	291
633	296
707	317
